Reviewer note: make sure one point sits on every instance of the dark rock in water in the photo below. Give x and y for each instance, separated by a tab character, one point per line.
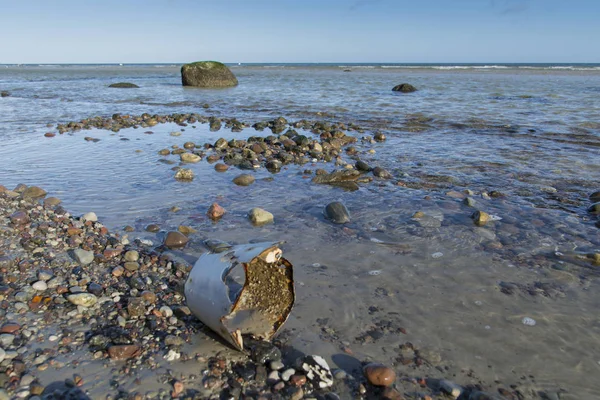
207	74
380	137
124	85
175	240
348	186
595	197
337	176
243	180
215	124
381	173
594	208
404	88
362	166
4	93
273	166
337	213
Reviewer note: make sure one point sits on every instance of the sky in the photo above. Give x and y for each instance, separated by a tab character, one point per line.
361	31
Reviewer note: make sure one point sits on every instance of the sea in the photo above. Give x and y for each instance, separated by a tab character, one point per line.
513	302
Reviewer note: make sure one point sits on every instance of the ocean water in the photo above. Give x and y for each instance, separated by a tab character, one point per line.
530	132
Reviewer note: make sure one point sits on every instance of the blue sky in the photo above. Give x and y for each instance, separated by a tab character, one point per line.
127	31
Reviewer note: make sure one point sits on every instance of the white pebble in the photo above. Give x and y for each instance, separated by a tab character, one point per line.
53	338
437	255
40	286
375	272
528	321
91	216
287	374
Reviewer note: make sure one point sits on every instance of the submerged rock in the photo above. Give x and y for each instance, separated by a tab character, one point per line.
190	157
124	85
215	211
404	88
337	213
184	174
243	180
481	218
207	74
595	197
594	208
258	216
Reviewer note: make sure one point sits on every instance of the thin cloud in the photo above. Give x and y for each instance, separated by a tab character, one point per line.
509	7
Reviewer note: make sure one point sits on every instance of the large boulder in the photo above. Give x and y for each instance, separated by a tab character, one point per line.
207	74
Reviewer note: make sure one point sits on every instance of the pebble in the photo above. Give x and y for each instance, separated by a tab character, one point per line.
83	299
528	321
273	377
379	374
337	213
40	286
132	255
258	216
451	388
287	374
6	339
244	180
190	157
166	311
175	240
90	216
44	275
184	174
480	217
276	365
2	354
83	257
215	211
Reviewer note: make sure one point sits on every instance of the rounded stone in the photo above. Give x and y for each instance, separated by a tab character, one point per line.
190	157
83	257
337	213
91	216
175	240
208	74
220	167
82	299
381	173
52	201
258	216
33	192
132	255
595	197
379	374
244	180
40	286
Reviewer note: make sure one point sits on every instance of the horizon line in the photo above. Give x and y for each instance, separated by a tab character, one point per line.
303	62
